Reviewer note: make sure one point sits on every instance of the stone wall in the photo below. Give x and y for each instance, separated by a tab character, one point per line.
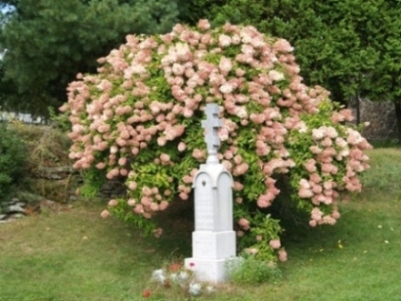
54	188
381	116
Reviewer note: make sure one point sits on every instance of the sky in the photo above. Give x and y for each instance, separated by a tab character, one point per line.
7	8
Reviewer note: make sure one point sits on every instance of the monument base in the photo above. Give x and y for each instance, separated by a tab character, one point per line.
213	255
213	245
211	270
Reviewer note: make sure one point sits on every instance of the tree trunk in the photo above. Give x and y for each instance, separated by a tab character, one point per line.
397	107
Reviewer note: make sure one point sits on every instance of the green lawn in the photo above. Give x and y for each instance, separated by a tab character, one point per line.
76	255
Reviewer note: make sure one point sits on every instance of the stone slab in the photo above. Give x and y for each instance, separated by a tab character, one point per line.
213	245
209	270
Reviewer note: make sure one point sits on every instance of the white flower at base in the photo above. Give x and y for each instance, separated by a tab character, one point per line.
158	276
174	277
209	289
182	276
194	289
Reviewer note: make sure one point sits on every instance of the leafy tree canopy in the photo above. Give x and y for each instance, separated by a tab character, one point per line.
351	47
334	40
47	42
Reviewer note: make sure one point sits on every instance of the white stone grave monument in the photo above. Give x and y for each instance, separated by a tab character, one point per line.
213	241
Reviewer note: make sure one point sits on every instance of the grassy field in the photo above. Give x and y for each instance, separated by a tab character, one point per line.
76	255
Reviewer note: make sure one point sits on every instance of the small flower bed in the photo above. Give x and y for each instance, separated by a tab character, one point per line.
139	119
179	280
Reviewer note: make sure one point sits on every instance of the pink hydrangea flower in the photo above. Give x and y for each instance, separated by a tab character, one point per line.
100	165
224	40
203	24
316	214
105	213
282	255
238	186
122	161
263	202
113	203
240	169
240	233
326	142
312	223
318	134
282	45
251	251
336	214
275	243
164	158
310	165
146	191
163	205
225	65
199	154
183	196
182	147
131	202
244	223
305	193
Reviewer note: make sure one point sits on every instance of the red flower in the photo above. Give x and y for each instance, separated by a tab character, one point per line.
174	267
191	264
146	293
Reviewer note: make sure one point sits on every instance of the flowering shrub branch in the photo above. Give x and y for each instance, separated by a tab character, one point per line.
139	118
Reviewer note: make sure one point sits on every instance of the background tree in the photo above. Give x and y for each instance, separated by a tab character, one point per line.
48	42
385	79
351	47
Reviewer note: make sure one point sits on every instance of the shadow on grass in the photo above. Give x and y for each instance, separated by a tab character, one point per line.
177	223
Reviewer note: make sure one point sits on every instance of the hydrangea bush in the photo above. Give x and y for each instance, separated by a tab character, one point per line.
139	119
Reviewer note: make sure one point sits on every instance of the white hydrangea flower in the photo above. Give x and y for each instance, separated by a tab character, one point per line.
276	75
226	89
318	134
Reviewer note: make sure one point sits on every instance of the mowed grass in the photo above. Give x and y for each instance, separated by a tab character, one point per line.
76	255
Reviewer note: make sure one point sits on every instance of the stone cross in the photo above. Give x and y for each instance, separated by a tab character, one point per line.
211	126
214	240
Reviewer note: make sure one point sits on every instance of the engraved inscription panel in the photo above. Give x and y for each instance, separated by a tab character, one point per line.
204	204
204	245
